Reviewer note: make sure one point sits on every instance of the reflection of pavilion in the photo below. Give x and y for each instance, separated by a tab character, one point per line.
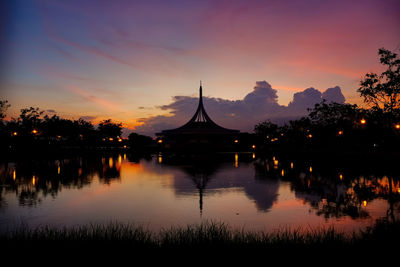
200	132
212	177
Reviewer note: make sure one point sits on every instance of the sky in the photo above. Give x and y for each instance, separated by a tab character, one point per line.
141	62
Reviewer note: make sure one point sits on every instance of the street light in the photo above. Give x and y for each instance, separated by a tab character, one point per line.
363	121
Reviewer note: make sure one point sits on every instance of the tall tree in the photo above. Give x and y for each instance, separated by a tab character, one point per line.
382	91
3	108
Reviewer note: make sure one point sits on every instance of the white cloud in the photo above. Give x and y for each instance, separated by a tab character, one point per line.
259	105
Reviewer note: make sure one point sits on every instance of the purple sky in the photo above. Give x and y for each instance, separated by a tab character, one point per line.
128	60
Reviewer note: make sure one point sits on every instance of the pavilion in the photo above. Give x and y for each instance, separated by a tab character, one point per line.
199	133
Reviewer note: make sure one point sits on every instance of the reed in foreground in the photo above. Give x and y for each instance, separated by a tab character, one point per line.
208	235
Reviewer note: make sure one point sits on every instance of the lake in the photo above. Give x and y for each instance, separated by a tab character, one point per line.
160	191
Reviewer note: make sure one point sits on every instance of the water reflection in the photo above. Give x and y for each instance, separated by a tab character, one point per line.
331	190
330	194
33	180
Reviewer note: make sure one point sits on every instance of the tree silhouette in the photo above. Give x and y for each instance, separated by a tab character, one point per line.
382	91
109	129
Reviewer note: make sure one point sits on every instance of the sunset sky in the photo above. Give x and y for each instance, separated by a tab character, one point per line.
131	60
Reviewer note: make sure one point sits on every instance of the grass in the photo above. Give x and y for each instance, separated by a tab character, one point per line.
209	236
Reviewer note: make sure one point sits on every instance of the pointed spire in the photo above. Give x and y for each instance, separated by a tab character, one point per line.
201	92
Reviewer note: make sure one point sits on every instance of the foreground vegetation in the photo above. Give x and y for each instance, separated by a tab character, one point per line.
208	236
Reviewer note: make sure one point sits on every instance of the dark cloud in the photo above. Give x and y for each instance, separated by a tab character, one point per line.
334	95
258	105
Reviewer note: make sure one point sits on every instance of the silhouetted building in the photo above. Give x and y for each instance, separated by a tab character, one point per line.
199	133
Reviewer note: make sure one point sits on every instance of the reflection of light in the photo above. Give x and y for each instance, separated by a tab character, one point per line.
283	172
103	161
15	133
124	156
119	159
14	174
80	171
398	190
58	170
341	176
124	146
291	165
33	180
159	158
273	158
236	160
276	162
253	146
111	139
310	169
363	121
365	203
110	162
254	155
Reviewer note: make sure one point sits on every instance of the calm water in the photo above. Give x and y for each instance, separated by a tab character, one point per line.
160	191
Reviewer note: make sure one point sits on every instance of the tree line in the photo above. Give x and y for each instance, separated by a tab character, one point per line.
34	130
346	126
328	125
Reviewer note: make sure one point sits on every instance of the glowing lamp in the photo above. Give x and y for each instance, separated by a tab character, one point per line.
365	203
34	131
397	126
119	140
253	146
160	141
309	136
236	141
15	133
110	139
363	121
340	133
